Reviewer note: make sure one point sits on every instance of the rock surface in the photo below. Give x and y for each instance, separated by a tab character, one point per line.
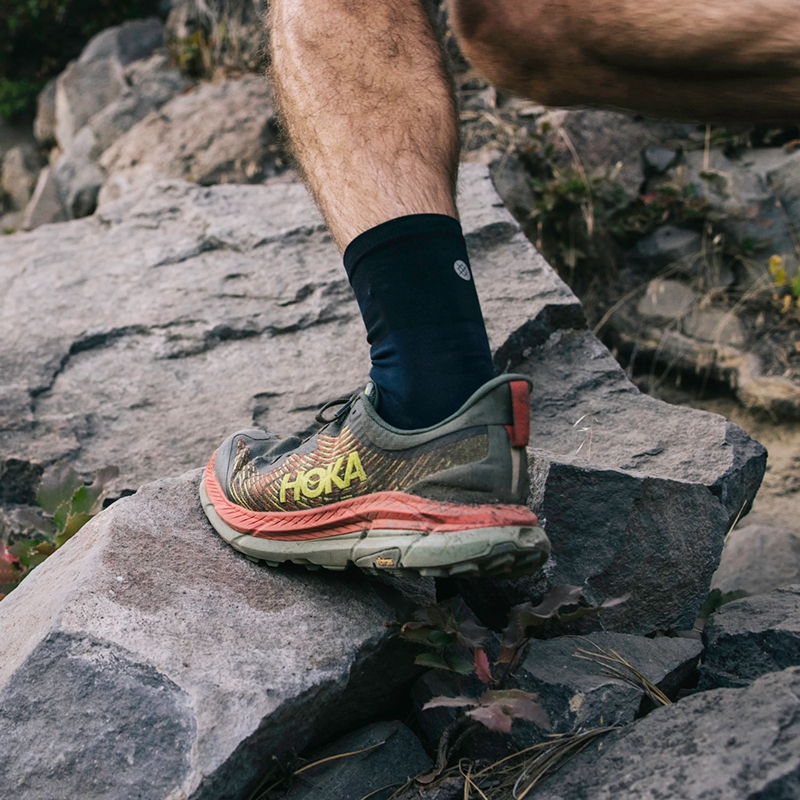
147	333
639	475
750	637
727	743
218	133
131	41
177	666
45	206
578	693
21	167
757	559
82	90
395	756
44	125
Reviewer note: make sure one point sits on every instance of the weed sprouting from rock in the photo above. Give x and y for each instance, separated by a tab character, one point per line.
68	504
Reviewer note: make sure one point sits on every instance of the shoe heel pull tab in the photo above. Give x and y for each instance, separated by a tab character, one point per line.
520	430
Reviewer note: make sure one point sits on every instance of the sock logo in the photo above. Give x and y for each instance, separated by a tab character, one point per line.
322	479
462	270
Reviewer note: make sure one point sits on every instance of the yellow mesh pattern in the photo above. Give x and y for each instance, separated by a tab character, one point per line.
341	467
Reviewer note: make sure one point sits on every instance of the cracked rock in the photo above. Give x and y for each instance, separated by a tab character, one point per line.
714	745
148	659
750	637
147	333
217	133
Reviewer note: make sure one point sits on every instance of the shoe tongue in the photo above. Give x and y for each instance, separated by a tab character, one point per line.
372	394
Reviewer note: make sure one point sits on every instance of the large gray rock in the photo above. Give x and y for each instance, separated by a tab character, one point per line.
757	559
77	172
218	133
81	91
131	41
148	332
45	206
21	167
152	83
750	637
636	495
44	125
578	693
393	755
727	743
77	175
148	659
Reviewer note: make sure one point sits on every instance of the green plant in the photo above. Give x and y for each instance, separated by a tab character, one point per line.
457	645
16	97
777	267
68	503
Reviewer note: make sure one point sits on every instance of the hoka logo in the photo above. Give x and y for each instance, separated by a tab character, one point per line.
322	479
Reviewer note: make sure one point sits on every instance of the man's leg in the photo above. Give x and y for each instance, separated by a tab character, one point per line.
426	469
367	103
705	60
368	106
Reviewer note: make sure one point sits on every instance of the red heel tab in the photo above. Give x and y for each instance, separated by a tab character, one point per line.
519	431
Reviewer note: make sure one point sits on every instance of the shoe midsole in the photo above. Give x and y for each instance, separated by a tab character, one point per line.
391	549
380	510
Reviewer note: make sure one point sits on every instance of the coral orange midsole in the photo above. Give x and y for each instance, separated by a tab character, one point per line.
380	510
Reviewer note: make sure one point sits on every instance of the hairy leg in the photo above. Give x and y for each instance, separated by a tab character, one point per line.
368	106
697	59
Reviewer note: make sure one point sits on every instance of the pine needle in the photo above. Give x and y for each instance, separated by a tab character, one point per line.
615	666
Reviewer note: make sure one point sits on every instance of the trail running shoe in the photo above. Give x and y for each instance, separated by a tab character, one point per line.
445	500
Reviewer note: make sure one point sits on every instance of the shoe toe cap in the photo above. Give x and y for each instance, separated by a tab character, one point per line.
257	442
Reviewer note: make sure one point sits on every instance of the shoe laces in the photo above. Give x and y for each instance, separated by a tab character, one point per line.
345	402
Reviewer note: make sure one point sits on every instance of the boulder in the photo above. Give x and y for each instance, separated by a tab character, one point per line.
714	745
383	756
44	125
131	41
148	659
619	480
77	175
21	167
218	133
750	637
667	247
179	313
82	90
757	559
149	84
579	693
45	206
152	83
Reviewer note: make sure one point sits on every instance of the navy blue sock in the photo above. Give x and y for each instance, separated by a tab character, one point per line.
414	286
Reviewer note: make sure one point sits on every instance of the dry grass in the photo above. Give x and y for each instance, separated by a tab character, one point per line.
615	666
513	777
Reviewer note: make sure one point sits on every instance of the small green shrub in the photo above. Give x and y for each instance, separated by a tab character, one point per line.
69	504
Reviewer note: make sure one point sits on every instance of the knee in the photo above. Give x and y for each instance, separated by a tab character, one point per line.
522	45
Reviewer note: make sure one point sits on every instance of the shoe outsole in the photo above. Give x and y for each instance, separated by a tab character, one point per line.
507	551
